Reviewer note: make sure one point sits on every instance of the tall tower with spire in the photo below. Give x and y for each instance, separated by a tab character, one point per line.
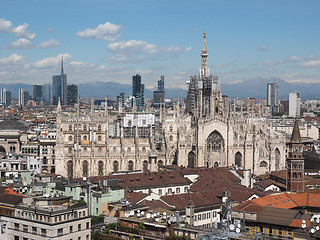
59	87
295	162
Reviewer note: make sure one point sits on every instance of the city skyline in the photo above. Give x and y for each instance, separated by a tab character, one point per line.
112	41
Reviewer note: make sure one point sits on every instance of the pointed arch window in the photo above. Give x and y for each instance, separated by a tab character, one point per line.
85	168
115	166
130	166
100	168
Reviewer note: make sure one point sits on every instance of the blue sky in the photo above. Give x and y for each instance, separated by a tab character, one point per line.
113	40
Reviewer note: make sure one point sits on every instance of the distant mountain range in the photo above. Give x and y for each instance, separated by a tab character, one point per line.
251	88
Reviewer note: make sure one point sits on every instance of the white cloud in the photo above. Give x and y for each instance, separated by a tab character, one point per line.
12	59
5	26
21	31
137	51
188	49
49	44
312	63
21	43
107	31
263	48
51	61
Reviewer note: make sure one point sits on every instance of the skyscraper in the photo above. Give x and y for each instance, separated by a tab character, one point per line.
294	104
5	97
59	87
23	97
72	94
138	91
272	94
42	93
159	95
273	97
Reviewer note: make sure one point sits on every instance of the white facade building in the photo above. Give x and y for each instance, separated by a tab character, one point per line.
294	104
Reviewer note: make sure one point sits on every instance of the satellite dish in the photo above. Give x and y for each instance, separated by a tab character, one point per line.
231	227
164	213
148	215
131	212
158	213
157	219
312	230
303	225
317	228
169	221
127	214
138	214
138	210
303	221
84	178
154	215
142	213
237	230
164	217
239	225
318	220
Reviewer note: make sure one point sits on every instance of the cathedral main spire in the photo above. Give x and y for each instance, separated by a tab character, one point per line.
204	55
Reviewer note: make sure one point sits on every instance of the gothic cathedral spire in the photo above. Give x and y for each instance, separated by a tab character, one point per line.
204	55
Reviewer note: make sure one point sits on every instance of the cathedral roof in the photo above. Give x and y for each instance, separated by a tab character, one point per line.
295	137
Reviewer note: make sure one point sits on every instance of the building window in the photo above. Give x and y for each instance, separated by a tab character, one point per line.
169	191
100	168
43	232
60	231
99	127
115	166
177	190
16	226
160	192
70	127
99	138
70	138
85	137
85	168
25	228
130	167
88	223
79	227
186	189
70	229
34	230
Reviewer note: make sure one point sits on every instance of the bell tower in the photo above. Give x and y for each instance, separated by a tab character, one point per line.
295	162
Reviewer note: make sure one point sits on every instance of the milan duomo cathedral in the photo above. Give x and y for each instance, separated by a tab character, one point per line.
205	130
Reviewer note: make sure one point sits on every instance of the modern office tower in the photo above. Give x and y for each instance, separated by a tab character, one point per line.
294	104
5	97
273	97
161	84
41	93
72	94
159	96
2	95
46	93
37	95
23	97
59	88
120	100
138	91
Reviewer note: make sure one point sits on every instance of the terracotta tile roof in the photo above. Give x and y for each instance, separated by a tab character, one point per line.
134	197
248	206
289	200
10	199
199	199
298	223
147	180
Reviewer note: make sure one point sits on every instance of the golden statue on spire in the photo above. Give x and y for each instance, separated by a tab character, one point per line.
204	34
